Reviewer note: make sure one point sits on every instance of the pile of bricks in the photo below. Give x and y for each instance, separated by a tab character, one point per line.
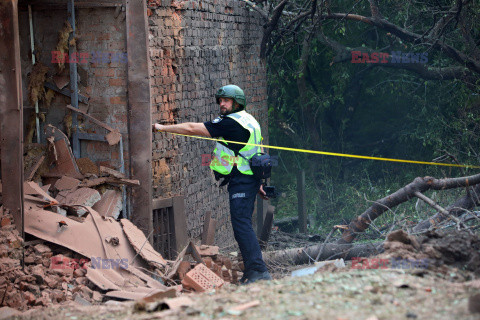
212	272
37	284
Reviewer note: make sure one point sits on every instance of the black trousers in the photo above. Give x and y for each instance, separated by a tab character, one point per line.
242	191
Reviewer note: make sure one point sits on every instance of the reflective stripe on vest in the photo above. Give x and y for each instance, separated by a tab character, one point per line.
224	158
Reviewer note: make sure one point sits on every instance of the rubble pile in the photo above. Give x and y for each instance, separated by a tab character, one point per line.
209	270
77	249
458	249
37	284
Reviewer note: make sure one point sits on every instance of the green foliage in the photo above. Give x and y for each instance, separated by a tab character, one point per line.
366	110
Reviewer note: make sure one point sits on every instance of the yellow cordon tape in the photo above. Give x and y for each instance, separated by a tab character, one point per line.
334	154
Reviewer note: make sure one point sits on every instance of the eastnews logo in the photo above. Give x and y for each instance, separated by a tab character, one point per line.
86	57
393	57
96	263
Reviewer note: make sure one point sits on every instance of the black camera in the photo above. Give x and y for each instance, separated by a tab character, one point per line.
270	191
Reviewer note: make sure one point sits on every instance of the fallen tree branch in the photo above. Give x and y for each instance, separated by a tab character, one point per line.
299	256
362	222
467	202
437	207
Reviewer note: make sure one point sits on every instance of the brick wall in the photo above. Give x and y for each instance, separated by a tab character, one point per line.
102	77
195	48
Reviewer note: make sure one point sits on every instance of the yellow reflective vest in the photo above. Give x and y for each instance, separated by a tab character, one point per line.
224	158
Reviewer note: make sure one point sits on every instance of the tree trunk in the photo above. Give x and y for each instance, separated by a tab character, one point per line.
361	223
305	255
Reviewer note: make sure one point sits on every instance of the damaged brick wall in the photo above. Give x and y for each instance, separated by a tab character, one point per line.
100	37
195	48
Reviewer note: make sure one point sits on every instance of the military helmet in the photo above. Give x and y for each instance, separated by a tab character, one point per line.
231	91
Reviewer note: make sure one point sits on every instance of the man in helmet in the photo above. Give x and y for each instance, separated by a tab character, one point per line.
230	162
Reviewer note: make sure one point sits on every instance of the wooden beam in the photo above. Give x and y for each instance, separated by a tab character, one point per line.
11	112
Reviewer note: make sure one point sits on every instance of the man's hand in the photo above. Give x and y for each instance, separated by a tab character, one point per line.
156	127
262	193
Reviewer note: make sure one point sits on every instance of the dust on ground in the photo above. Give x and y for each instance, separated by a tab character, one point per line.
440	290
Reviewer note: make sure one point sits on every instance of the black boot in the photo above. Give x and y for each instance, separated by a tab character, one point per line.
256	275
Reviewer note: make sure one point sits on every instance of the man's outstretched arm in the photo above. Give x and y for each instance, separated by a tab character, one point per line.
189	128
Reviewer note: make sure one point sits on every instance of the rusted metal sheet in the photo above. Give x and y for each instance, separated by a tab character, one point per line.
141	245
139	113
11	112
110	205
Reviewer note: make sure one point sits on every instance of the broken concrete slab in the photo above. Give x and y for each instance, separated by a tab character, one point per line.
159	295
106	171
207	251
120	280
86	238
66	183
65	164
81	197
32	188
113	137
110	204
98	181
46	188
81	300
141	244
98	278
64	160
146	294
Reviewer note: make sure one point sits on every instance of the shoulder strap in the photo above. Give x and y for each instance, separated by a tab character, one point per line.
226	145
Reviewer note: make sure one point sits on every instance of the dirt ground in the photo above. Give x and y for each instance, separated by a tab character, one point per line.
444	288
349	294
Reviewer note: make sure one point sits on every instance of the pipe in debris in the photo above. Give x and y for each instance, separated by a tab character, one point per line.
73	80
124	192
32	46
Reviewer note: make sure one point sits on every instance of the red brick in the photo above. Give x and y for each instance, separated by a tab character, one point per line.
105	72
5	221
115	155
103	36
116	82
117	100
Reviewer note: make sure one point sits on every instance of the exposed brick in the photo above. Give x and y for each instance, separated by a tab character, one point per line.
183	81
105	72
117	82
117	100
